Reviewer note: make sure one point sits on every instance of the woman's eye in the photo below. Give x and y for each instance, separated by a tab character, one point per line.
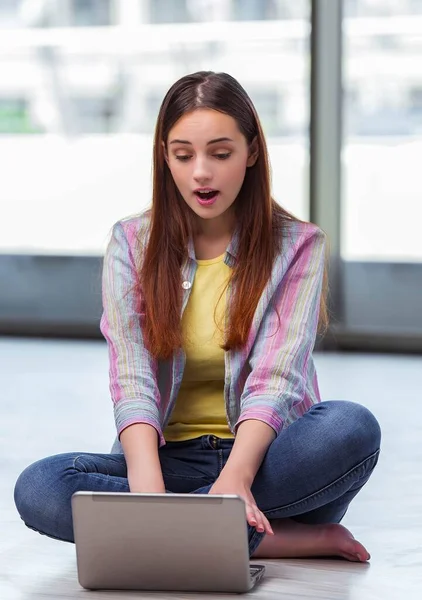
218	156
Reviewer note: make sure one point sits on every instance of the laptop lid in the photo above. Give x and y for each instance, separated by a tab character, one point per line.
180	542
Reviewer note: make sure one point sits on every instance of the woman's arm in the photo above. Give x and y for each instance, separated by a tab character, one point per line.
140	447
250	446
278	361
276	385
132	369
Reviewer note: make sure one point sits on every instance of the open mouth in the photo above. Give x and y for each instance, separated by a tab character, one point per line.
208	195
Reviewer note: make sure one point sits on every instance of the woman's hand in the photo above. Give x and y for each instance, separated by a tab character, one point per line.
240	488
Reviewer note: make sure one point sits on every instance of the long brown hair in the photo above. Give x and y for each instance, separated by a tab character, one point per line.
258	217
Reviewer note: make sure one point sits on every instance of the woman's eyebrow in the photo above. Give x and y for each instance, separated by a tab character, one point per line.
221	139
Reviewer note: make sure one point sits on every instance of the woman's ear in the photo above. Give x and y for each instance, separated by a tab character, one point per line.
253	153
166	156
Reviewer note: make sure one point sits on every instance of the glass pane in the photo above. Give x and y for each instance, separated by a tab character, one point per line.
382	192
53	13
78	105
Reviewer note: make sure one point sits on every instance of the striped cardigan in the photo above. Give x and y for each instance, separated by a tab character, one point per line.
272	378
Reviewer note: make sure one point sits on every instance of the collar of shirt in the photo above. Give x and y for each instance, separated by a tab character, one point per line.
231	250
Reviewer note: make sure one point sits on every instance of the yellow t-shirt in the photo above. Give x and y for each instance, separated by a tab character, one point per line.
200	407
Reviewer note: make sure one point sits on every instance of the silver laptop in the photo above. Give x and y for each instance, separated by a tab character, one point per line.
177	542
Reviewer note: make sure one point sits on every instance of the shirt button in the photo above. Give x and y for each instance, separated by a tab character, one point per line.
186	285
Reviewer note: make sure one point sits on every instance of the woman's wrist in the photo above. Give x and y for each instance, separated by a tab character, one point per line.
149	482
243	476
250	446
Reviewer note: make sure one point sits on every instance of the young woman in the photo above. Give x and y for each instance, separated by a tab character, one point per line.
212	301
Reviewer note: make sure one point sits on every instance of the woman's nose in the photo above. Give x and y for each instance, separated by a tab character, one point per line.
201	170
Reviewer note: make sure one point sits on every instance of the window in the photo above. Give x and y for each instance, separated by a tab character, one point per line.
9	13
415	106
269	106
93	114
85	105
89	13
383	138
254	10
169	11
15	117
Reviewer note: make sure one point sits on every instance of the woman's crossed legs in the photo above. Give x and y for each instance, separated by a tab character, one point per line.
309	475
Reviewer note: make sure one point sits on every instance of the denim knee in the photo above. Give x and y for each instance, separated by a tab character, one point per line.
42	501
358	427
25	493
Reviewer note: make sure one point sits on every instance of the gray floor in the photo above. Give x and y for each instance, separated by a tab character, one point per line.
52	393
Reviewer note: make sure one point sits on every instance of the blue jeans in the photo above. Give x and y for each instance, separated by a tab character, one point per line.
310	472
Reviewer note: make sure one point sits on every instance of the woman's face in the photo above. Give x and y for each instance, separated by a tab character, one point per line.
208	157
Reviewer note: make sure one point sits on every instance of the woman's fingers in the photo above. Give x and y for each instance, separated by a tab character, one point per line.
253	518
258	520
250	516
267	525
263	524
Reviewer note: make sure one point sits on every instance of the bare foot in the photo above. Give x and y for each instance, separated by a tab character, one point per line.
297	540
